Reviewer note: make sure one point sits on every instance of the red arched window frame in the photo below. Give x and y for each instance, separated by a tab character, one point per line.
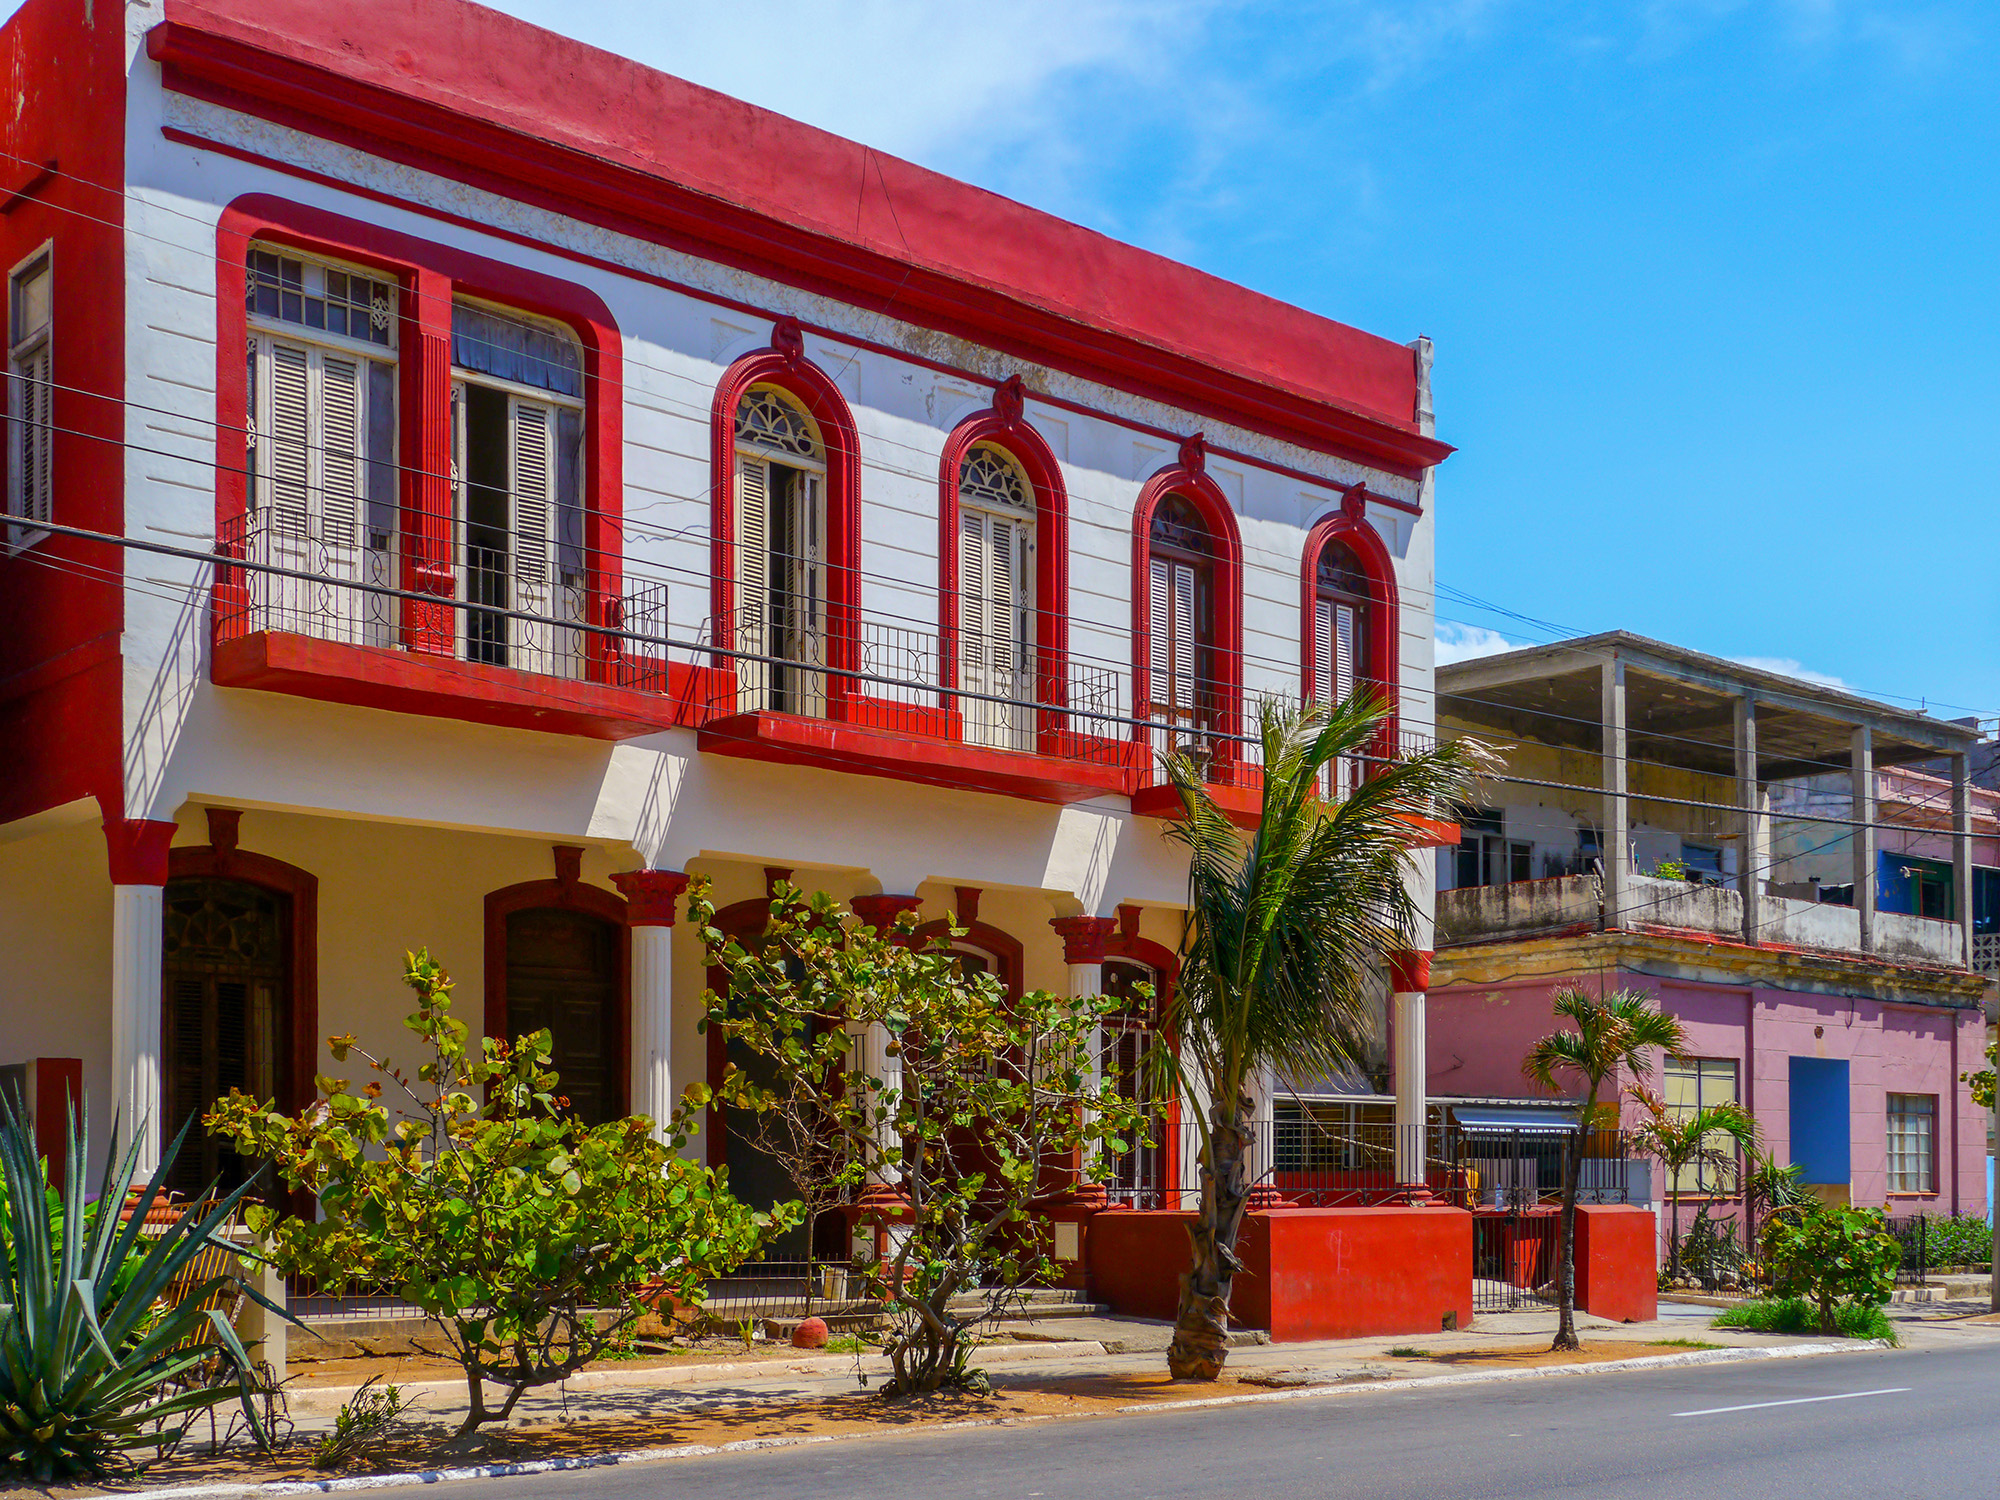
568	893
428	275
1350	527
983	935
1188	480
785	366
1004	425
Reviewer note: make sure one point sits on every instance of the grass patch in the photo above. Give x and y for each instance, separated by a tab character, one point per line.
1404	1351
1684	1343
849	1343
1796	1315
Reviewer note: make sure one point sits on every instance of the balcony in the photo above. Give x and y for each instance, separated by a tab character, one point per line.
1572	903
489	629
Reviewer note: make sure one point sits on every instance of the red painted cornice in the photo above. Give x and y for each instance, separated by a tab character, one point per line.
475	96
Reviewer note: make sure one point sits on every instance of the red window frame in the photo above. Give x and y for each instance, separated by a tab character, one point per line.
1205	496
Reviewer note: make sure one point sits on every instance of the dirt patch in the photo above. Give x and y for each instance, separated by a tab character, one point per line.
401	1369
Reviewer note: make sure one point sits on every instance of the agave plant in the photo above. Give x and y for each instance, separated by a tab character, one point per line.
94	1365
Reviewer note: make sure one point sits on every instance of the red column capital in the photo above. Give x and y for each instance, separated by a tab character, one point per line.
137	848
881	912
650	895
1410	971
1084	937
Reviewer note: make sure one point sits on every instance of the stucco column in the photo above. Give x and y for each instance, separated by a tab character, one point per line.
1750	859
1262	1087
1083	951
877	1061
137	850
1616	850
1409	980
649	914
1861	774
1961	850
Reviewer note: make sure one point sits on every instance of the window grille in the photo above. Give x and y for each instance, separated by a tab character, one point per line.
991	478
766	420
321	298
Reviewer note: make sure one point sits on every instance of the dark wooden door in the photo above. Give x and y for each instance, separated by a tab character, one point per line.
562	975
226	1012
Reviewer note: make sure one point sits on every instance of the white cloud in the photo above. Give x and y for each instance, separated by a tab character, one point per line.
1465	642
1786	666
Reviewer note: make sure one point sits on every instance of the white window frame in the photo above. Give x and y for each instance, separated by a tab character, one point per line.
763	685
1897	1161
1694	1180
990	662
26	503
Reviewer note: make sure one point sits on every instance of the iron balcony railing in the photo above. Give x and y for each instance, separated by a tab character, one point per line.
476	593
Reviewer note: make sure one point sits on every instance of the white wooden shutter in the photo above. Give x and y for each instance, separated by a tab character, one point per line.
340	449
1184	685
531	492
1160	663
991	548
753	580
1334	634
1326	677
290	431
33	470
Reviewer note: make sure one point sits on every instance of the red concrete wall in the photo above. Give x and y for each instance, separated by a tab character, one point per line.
1309	1273
1616	1274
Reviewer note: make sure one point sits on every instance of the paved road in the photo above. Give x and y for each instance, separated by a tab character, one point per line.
1889	1423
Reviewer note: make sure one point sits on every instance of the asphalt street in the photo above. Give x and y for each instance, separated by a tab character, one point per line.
1880	1423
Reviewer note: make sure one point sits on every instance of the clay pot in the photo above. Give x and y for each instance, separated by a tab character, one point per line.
811	1334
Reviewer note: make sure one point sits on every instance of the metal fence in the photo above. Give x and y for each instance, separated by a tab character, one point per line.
1514	1258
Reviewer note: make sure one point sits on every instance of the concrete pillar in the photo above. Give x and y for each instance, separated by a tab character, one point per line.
137	850
1961	850
1751	862
1617	807
1262	1087
1084	939
649	915
877	1061
1861	774
1409	979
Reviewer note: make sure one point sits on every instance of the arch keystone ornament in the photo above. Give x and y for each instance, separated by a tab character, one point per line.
1194	453
1010	401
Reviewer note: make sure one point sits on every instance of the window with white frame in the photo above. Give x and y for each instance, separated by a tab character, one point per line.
1180	573
996	542
1693	1084
1912	1143
320	442
1342	599
517	405
30	396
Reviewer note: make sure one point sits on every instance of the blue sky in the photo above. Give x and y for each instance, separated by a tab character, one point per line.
1712	283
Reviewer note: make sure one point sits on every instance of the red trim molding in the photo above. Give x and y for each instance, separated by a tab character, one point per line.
880	912
1004	947
650	895
539	119
1188	479
1350	525
1410	971
567	894
1083	938
785	366
428	276
137	850
1004	425
221	859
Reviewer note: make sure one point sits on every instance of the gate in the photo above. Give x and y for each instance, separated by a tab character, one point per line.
1514	1259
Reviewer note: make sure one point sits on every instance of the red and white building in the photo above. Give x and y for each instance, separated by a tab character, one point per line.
617	483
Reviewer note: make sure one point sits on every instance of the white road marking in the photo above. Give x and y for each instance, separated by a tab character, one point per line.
1715	1411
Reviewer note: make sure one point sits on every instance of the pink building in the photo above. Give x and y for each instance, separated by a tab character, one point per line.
1628	845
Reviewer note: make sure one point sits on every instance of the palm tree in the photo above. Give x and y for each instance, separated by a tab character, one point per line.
1707	1139
1285	928
1612	1031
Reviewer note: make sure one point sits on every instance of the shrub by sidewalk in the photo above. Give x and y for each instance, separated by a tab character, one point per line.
1796	1315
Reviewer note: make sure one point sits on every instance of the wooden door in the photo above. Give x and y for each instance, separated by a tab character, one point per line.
562	975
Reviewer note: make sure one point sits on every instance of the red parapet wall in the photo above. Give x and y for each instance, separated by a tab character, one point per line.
1309	1273
1617	1275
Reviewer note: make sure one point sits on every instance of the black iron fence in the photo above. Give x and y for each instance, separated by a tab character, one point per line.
1514	1253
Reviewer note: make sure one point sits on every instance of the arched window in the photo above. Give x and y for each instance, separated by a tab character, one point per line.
996	599
1349	637
781	582
1181	683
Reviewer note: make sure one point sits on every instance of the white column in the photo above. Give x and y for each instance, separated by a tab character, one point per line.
1616	843
1410	1066
1263	1130
649	917
879	1063
1750	857
654	1089
137	913
1861	780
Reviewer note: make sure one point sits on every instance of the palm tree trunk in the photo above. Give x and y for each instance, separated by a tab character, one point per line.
1566	1338
1201	1327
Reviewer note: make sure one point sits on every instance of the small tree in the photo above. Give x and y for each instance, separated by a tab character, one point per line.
975	1108
1613	1031
1706	1140
1832	1256
528	1237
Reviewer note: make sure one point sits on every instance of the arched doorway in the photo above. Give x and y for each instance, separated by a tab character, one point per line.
226	972
562	976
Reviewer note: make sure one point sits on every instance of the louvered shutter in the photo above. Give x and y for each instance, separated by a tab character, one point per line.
806	586
37	436
530	484
1326	677
1184	686
290	447
753	580
1160	663
340	449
